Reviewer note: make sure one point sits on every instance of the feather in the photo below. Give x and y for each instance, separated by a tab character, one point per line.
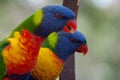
21	55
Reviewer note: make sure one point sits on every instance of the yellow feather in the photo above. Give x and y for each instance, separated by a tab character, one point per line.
48	65
52	38
38	17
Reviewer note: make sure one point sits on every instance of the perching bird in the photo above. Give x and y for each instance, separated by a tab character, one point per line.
41	24
54	52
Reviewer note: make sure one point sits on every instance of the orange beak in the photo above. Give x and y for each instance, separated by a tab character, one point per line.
70	26
83	49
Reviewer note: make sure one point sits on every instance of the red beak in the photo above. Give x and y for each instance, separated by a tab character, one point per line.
83	49
70	26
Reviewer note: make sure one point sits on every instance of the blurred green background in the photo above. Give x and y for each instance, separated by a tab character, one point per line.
99	20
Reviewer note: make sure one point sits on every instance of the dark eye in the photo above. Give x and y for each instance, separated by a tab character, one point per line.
72	40
59	16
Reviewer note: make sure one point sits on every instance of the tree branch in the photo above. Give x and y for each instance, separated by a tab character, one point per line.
68	72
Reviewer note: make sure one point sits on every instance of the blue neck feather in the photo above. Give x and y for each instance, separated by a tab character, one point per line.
17	77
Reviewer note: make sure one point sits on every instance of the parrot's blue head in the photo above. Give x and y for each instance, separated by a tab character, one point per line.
68	43
56	18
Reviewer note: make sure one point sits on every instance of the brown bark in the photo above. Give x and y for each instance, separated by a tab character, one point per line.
72	4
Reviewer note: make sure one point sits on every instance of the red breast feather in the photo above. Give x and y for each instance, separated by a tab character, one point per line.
21	55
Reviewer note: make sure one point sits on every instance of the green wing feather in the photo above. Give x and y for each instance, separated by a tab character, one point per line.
51	41
27	24
3	44
30	23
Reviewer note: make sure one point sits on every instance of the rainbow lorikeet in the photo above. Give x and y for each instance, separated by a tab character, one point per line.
54	52
52	55
46	20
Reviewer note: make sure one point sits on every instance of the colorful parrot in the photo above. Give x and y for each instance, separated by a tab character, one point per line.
54	52
34	29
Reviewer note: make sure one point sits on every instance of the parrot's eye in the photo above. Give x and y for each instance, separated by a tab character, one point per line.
59	16
73	40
